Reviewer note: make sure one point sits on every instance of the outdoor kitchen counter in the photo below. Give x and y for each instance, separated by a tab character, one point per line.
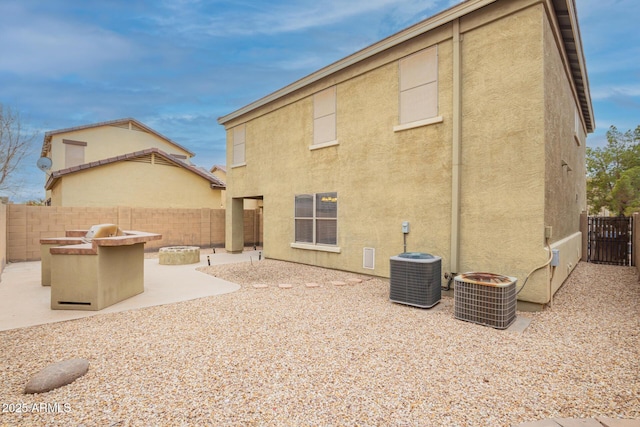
80	247
98	273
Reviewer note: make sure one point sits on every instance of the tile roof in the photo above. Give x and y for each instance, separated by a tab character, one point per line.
213	180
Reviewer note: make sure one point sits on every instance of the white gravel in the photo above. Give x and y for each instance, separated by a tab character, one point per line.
332	356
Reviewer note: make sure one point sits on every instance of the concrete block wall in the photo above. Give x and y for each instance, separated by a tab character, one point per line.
216	232
26	225
252	227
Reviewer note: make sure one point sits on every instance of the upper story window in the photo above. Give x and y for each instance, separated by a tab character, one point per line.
73	153
239	141
324	116
419	87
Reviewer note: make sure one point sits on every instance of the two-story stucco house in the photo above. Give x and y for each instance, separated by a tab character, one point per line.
470	125
125	163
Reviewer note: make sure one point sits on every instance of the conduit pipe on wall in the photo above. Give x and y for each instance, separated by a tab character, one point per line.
539	268
456	147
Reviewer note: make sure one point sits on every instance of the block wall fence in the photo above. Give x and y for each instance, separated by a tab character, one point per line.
26	225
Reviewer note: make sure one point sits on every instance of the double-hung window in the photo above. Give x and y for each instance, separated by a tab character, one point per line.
239	140
419	89
324	118
316	218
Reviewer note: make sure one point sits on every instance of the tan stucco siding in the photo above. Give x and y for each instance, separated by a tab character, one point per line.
565	164
565	152
109	141
373	170
502	206
384	177
136	184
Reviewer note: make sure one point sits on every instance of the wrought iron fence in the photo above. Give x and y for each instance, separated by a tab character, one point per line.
610	240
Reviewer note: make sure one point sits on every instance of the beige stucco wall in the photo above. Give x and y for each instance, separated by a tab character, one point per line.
109	141
93	282
384	177
503	194
249	204
136	184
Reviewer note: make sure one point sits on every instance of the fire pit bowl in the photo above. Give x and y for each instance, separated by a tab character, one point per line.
179	255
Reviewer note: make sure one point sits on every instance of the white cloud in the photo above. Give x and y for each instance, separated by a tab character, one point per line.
614	91
41	44
251	17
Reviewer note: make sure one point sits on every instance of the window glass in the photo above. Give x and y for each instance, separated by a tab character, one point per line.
304	206
316	218
304	230
327	205
326	231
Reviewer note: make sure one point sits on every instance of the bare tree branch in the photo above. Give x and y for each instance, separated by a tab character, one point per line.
15	145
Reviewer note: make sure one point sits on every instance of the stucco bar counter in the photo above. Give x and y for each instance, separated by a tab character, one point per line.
99	273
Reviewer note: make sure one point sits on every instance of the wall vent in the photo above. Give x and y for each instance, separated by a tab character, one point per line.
369	258
486	299
415	279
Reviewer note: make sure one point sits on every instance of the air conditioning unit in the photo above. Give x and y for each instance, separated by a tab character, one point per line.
485	298
415	279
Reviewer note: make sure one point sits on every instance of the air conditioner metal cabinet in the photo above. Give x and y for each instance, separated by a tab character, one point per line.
415	279
486	299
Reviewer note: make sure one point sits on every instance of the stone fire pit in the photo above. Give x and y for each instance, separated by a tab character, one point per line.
179	255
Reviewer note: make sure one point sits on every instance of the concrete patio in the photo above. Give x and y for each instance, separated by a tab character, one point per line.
25	302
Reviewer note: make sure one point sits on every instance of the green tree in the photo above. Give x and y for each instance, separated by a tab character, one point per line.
613	173
15	145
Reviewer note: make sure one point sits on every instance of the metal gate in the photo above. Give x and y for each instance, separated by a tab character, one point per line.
610	240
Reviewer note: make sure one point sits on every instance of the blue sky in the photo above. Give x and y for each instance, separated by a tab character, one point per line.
178	65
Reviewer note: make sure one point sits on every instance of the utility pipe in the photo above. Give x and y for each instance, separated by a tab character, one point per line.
539	268
456	147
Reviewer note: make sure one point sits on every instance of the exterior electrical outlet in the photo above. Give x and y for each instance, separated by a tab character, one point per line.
555	260
405	227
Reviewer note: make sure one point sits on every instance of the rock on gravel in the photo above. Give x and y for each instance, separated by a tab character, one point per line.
57	375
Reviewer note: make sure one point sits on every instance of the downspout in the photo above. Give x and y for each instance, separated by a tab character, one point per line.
456	149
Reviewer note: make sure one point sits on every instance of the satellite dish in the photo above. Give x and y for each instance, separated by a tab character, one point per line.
44	164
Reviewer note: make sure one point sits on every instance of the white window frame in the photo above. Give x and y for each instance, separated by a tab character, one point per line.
314	245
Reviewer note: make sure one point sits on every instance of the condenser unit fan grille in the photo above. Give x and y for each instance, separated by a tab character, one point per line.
485	298
415	279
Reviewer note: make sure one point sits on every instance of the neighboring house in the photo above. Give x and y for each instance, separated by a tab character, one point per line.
124	163
470	125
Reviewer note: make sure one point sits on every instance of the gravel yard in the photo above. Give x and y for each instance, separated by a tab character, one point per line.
333	355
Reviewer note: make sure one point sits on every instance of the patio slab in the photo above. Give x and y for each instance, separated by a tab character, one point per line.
25	302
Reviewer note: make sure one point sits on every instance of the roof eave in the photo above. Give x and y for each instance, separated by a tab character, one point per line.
46	143
214	181
422	27
576	64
